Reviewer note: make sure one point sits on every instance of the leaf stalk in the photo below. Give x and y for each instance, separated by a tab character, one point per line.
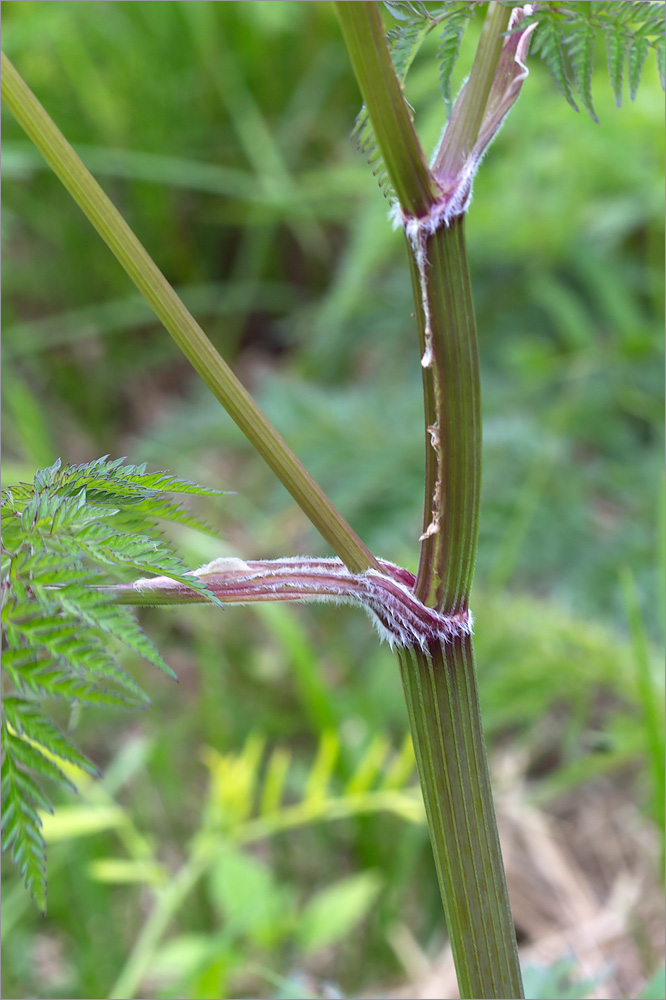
180	323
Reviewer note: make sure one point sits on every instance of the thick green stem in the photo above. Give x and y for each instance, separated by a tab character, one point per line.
363	33
451	383
443	706
440	685
182	326
452	397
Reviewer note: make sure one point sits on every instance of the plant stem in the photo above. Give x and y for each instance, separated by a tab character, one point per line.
452	411
464	128
443	706
182	326
363	33
451	385
440	684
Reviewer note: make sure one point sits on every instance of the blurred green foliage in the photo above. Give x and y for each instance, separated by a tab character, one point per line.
221	132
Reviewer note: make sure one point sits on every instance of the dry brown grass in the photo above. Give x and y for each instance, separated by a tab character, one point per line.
583	877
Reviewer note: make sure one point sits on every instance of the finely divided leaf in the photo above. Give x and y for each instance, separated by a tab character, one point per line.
616	44
21	826
366	144
661	61
26	720
565	36
406	38
548	41
62	537
449	45
580	43
32	759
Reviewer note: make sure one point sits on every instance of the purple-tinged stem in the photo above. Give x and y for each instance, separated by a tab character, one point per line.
386	594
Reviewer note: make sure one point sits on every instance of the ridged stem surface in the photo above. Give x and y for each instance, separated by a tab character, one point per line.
440	685
445	719
452	410
391	119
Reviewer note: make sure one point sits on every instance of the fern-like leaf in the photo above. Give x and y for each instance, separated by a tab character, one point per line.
580	43
548	40
21	825
62	536
615	49
455	23
366	143
565	35
27	721
661	61
32	760
407	37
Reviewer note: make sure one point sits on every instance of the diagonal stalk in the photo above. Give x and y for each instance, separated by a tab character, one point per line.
180	323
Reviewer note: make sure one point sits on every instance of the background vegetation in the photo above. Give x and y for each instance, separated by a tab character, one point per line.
221	131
